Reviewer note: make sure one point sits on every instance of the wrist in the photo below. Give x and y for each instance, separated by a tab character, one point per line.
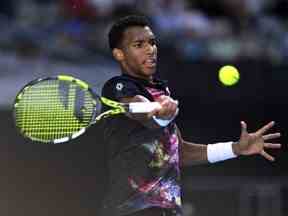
161	122
235	148
164	122
220	152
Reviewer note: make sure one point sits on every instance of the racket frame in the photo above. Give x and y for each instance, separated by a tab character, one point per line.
81	83
117	107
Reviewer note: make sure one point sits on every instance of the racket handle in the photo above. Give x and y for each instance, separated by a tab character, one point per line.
143	107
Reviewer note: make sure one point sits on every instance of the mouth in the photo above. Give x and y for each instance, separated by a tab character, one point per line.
150	62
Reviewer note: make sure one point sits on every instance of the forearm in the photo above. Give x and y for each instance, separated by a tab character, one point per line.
158	117
143	118
193	154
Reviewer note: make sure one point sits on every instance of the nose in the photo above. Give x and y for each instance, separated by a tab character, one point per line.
150	49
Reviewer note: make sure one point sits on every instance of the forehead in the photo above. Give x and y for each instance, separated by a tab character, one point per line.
137	33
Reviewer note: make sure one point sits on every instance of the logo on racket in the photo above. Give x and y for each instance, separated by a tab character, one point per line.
72	94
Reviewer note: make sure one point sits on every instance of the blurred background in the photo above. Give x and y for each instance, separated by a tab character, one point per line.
196	37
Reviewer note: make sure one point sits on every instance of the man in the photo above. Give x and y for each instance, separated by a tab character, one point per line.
146	151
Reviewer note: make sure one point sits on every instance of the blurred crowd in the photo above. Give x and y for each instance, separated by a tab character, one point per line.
198	30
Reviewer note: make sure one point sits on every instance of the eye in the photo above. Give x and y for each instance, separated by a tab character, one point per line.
137	45
153	42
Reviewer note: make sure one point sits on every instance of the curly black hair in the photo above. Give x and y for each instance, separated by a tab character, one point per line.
116	32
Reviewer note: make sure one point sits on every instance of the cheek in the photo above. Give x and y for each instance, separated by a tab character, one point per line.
135	59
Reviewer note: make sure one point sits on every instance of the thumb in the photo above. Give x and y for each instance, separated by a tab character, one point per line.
243	128
153	112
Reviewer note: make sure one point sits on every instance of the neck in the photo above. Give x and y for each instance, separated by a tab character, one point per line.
148	78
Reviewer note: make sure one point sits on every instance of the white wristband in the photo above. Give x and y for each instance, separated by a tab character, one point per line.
162	122
220	152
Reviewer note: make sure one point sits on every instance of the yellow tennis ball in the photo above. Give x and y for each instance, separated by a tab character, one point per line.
228	75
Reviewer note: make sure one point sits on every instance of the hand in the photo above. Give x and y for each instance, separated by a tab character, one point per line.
254	143
168	108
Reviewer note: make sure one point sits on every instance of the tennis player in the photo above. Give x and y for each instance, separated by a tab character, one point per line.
147	151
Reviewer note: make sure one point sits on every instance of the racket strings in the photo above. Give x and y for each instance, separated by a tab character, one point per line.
45	112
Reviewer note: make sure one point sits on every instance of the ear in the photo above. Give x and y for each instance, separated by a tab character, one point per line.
118	54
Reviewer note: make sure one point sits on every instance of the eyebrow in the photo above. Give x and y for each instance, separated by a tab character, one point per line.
138	40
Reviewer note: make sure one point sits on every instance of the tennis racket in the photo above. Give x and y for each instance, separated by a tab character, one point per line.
58	109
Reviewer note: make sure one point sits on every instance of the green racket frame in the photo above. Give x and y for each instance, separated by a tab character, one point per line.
22	123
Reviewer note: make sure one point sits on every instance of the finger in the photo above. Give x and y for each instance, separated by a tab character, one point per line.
153	112
164	111
267	156
164	103
169	108
243	127
271	136
170	105
176	102
170	112
175	107
265	128
272	145
166	106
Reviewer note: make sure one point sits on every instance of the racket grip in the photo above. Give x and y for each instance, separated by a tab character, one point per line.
143	107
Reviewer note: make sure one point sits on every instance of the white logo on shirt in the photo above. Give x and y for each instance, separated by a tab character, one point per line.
119	86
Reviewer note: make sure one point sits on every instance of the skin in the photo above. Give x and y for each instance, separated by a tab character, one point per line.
138	47
137	56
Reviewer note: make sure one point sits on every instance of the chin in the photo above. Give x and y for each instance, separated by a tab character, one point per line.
150	71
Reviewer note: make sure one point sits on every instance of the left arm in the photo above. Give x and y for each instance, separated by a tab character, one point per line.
191	153
248	144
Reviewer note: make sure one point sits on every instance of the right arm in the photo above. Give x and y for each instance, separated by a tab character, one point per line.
126	91
167	110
